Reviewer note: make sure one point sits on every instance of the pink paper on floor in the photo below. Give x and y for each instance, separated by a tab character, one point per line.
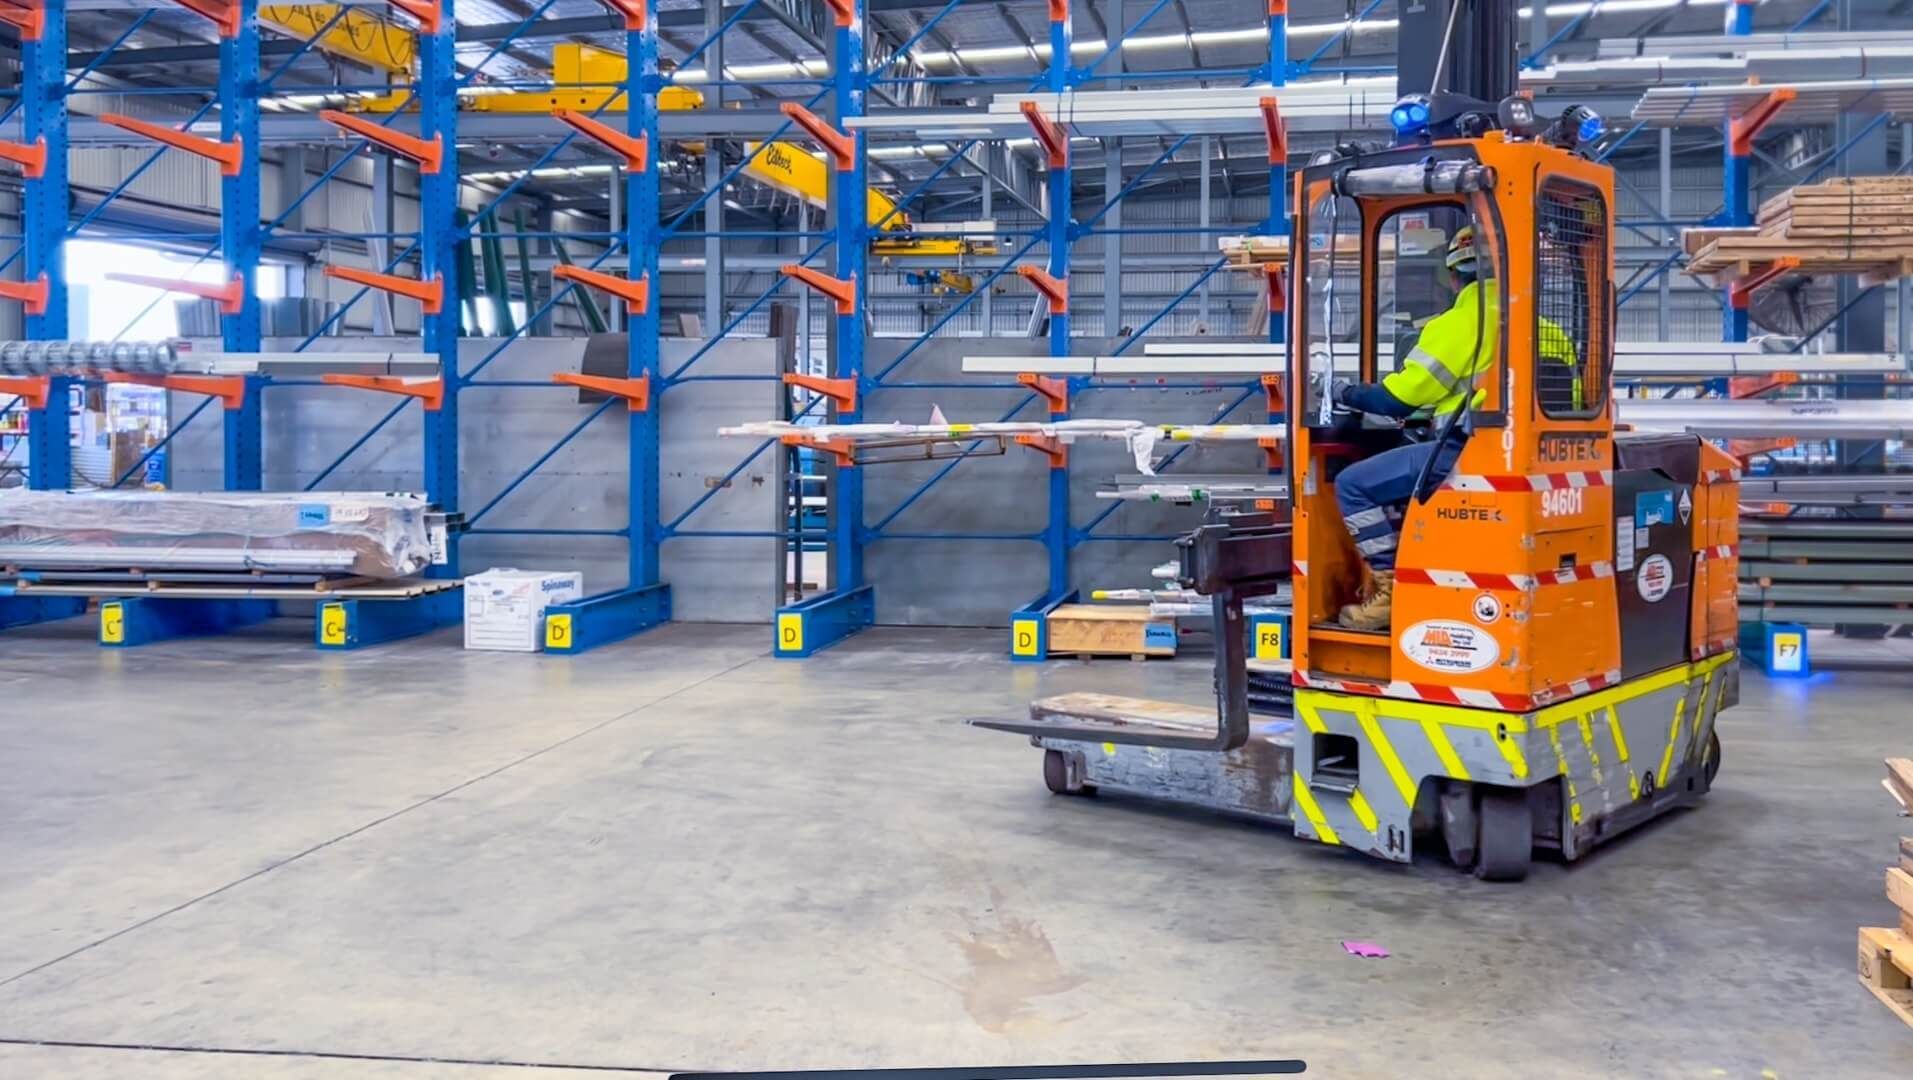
1365	948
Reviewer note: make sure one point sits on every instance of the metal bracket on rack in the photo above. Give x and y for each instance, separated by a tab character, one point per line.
228	155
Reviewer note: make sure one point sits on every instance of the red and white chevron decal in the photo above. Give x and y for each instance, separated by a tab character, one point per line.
1536	482
1717	551
1451	695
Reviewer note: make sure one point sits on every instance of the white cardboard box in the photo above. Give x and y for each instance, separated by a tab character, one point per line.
505	608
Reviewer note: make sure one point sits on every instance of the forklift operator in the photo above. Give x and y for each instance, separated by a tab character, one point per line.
1433	381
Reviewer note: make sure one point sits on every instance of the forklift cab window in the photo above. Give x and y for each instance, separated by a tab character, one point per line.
1334	297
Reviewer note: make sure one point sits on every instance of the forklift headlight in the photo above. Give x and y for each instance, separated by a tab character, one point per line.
1592	127
1410	115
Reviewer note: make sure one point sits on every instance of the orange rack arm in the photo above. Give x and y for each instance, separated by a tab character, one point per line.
1278	131
845	11
1278	7
32	390
31	157
843	450
430	294
1741	291
226	154
1278	288
231	296
1055	390
635	392
841	147
633	147
635	294
841	392
632	10
1055	143
1048	445
839	289
1271	451
229	389
1055	290
429	391
425	11
31	22
429	153
31	293
224	15
1743	129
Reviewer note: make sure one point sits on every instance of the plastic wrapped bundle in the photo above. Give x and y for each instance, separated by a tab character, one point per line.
355	533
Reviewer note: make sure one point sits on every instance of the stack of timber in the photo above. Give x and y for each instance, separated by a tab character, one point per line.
1254	250
1862	225
1886	953
1087	630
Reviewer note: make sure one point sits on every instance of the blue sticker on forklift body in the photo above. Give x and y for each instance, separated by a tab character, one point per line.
1653	508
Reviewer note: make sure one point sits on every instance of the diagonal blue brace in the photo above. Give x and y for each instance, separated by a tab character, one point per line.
354	624
599	620
142	620
823	621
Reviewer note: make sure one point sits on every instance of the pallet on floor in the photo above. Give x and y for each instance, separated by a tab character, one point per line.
1886	968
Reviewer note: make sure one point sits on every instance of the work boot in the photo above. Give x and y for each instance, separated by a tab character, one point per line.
1373	612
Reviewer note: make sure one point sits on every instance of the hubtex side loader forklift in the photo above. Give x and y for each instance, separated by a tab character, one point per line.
1564	617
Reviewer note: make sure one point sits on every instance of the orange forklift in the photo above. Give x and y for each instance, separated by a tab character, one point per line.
1562	634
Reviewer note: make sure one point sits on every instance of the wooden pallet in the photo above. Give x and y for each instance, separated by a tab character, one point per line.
1088	630
1886	968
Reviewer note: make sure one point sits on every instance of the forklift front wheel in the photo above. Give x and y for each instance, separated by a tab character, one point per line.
1056	775
1710	764
1504	840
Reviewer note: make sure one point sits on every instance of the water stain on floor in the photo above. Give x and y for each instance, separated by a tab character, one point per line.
1011	963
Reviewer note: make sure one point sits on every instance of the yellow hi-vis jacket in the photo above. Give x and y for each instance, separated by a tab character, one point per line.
1439	368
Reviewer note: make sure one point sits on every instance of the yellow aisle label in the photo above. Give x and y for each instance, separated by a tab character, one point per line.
790	632
112	623
1023	635
332	624
1268	641
558	632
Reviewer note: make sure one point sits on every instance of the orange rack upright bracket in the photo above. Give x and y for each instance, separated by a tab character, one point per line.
1054	290
31	22
31	157
1743	129
635	392
229	389
226	154
843	291
33	293
632	10
429	294
1049	133
223	13
431	392
1054	390
841	392
841	147
230	296
1277	131
1278	287
32	390
635	294
425	11
845	11
429	153
1741	291
1272	394
1048	445
632	148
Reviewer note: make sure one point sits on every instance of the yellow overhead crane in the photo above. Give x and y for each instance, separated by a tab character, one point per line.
585	79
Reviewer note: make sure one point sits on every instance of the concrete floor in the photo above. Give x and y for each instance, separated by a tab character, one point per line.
677	853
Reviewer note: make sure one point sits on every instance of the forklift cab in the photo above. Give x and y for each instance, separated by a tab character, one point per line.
1368	277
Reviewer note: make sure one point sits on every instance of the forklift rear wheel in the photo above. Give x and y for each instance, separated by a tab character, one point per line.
1711	763
1504	841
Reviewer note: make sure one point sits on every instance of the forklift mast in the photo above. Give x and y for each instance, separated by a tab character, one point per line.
1481	53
